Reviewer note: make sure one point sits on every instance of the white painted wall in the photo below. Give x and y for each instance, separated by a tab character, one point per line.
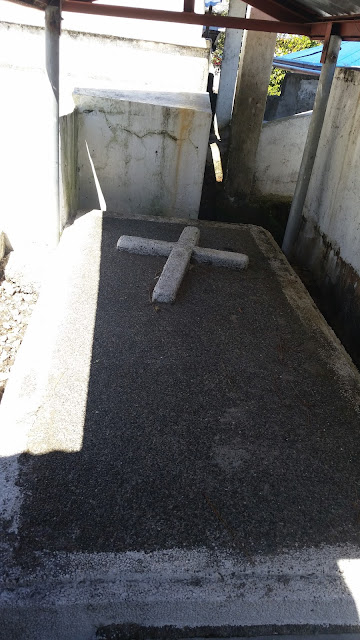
24	161
137	29
142	153
278	157
90	60
332	206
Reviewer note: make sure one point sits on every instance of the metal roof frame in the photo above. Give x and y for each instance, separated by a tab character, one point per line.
303	17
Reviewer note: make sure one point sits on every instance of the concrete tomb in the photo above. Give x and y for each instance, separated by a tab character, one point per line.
142	153
185	470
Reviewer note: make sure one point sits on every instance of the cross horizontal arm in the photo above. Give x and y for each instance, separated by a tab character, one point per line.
228	259
202	255
144	246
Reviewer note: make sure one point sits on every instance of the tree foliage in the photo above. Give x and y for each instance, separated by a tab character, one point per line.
217	55
284	44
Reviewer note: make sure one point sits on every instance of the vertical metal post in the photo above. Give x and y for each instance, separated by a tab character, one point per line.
189	6
229	66
311	144
52	46
207	30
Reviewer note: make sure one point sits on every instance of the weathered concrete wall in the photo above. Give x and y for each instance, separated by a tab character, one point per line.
297	95
255	66
86	60
142	153
68	165
329	242
334	191
278	156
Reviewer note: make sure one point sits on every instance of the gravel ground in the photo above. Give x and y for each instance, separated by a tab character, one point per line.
16	306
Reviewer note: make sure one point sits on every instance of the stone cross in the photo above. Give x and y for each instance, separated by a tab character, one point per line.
179	255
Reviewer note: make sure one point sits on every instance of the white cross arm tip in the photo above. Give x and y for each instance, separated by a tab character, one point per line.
228	259
144	246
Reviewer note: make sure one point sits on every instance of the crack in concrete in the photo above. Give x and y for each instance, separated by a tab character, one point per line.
161	132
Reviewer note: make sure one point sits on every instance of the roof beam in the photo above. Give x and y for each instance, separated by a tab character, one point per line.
347	29
279	12
187	17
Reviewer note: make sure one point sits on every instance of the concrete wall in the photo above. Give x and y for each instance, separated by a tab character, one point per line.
255	66
333	199
279	155
142	153
86	60
328	246
329	242
108	62
24	162
69	165
297	95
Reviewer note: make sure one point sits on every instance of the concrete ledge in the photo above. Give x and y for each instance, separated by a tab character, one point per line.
73	595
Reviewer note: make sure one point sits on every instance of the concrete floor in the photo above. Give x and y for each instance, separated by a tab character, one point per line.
178	470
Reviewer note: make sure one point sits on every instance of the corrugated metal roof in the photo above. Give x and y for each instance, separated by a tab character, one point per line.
308	60
326	8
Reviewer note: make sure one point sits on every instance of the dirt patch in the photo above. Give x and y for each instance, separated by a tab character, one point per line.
16	306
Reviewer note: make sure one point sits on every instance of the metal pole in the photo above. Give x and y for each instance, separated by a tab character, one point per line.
52	45
311	145
207	30
229	66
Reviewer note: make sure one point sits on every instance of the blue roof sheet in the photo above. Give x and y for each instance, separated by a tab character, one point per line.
349	56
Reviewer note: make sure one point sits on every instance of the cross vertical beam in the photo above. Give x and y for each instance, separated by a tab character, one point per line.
175	267
52	51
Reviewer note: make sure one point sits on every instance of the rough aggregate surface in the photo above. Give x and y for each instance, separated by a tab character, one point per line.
16	306
211	423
